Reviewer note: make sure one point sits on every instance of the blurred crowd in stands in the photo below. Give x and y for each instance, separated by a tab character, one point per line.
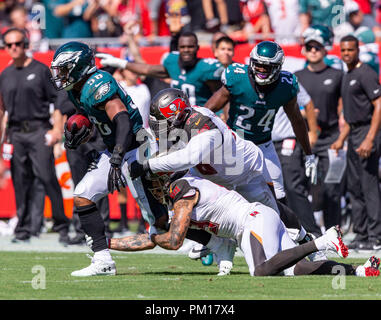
240	19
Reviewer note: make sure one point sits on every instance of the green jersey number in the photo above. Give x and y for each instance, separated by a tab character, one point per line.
190	90
103	128
264	122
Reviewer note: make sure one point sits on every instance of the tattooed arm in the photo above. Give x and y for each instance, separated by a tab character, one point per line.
138	242
174	238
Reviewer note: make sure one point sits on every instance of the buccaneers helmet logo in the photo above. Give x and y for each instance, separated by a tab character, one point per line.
173	108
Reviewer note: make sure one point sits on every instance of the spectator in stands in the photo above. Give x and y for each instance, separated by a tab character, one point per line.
313	12
74	25
133	10
19	19
256	20
27	93
368	48
103	24
56	24
213	23
361	93
284	20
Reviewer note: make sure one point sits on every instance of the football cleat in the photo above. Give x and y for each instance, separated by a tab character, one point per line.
224	256
198	251
96	268
318	255
370	268
334	241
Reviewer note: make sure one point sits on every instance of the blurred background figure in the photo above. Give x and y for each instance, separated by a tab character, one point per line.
324	12
284	19
19	19
100	15
73	13
213	23
255	20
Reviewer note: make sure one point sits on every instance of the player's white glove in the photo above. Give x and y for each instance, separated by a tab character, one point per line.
108	60
311	168
89	241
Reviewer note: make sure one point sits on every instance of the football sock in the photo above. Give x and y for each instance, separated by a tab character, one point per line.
103	255
93	225
328	267
123	215
284	259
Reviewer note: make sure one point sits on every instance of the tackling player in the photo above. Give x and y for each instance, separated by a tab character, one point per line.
212	151
199	78
258	231
256	92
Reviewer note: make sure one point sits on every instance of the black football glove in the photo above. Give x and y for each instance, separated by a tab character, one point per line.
75	137
116	179
137	170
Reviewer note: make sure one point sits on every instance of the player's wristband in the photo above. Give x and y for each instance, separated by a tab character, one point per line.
152	231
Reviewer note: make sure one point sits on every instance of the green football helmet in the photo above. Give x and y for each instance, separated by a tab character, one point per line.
319	33
71	62
266	55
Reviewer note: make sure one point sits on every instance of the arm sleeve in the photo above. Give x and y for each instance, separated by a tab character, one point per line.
123	136
198	148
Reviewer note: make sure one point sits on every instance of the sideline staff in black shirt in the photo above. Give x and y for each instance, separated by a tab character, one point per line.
361	94
26	93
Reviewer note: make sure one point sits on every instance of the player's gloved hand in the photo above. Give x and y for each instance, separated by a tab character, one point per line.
137	170
75	137
108	60
89	242
116	179
311	168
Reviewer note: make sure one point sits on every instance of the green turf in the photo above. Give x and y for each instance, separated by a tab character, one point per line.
165	277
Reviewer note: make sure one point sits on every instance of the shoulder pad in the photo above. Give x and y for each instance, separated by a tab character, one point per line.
181	189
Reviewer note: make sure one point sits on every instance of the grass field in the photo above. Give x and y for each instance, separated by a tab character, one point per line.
164	277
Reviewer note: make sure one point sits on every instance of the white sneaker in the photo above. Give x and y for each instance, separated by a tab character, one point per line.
198	251
96	268
224	256
370	268
334	241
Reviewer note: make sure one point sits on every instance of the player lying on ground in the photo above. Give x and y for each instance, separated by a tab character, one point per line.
257	229
212	151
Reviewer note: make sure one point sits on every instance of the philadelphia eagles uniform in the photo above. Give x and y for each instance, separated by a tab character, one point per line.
193	81
98	89
253	112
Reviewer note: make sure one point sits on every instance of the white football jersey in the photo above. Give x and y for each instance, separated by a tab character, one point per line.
219	211
284	16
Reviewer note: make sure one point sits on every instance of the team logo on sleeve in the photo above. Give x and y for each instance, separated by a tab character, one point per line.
173	108
103	89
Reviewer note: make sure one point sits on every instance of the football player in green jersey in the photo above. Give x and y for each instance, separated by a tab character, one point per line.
256	92
97	95
199	78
